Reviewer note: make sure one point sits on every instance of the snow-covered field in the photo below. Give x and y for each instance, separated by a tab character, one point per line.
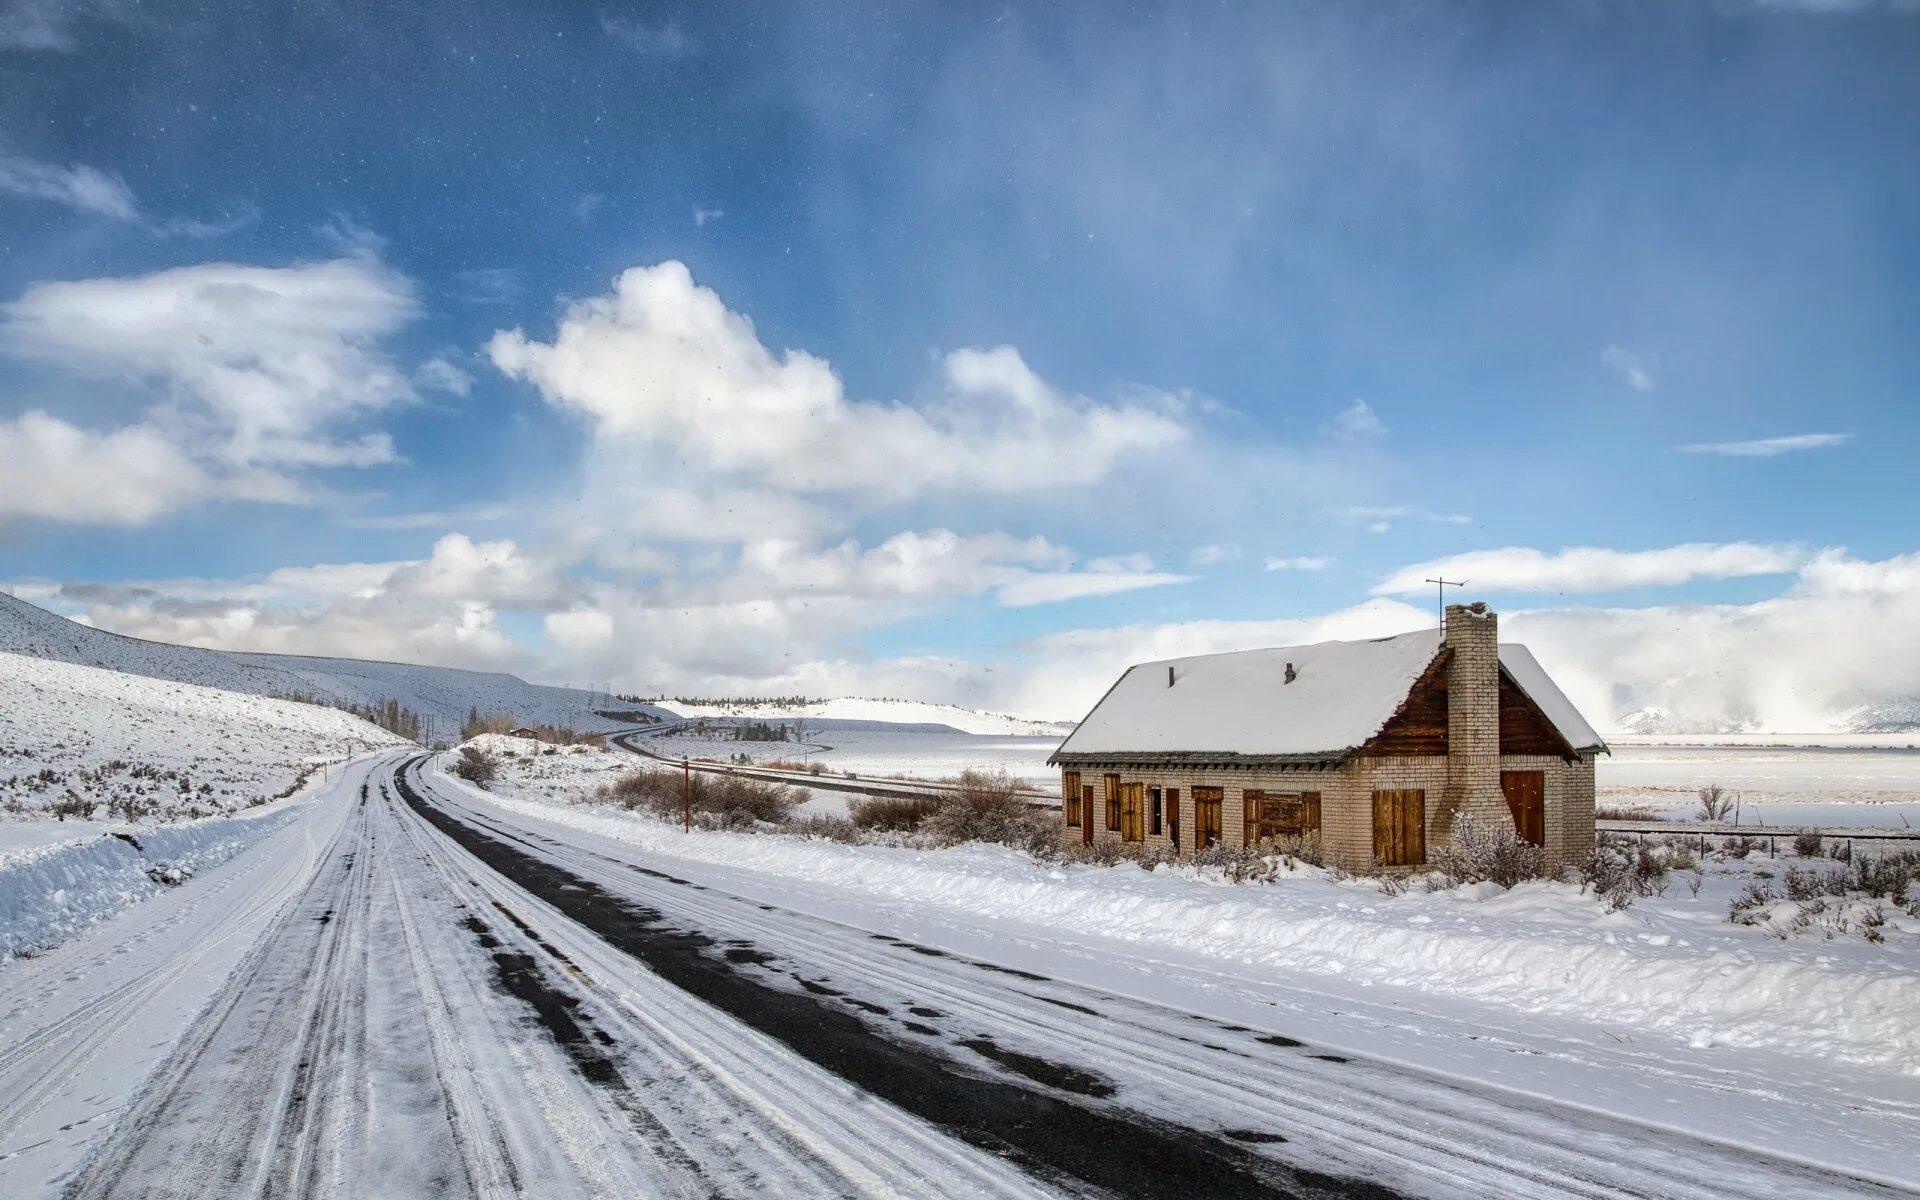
877	751
130	746
899	712
443	694
1778	784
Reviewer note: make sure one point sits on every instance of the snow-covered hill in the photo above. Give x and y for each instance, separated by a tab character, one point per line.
861	708
442	694
118	746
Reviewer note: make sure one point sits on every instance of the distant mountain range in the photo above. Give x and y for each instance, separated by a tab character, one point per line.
1898	715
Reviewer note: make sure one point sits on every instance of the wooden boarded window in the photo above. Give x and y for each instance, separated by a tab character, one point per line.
1280	814
1132	800
1070	795
1173	816
1153	811
1113	803
1400	827
1527	798
1206	816
1086	813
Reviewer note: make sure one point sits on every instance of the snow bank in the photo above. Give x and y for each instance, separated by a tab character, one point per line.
50	893
1669	966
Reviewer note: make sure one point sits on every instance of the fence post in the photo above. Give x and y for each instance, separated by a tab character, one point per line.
686	794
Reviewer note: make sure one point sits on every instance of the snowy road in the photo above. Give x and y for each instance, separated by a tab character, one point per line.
428	995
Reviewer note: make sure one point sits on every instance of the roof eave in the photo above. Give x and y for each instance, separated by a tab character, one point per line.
1081	758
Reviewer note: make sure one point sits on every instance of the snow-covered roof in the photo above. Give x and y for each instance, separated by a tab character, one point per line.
1239	705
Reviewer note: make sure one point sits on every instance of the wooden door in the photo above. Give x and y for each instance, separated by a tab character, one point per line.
1527	798
1173	817
1086	814
1206	816
1400	827
1132	800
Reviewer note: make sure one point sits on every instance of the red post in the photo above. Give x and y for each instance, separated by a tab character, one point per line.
686	794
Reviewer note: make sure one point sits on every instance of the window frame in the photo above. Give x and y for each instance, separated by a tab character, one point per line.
1113	803
1070	797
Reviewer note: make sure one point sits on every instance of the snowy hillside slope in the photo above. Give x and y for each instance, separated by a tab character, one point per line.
443	694
862	708
125	745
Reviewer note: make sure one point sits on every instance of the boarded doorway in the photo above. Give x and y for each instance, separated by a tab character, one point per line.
1527	798
1086	814
1206	816
1400	827
1132	800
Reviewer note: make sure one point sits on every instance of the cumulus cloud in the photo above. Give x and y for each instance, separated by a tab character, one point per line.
259	364
441	375
56	471
663	361
1595	568
1769	447
1628	366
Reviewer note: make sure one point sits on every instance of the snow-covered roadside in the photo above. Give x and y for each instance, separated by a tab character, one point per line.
50	893
1671	966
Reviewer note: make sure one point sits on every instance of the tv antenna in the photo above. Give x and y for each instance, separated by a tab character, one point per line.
1440	587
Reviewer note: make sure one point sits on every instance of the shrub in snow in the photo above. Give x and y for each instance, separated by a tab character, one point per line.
832	829
1716	803
1618	874
895	813
71	804
1484	852
718	801
475	765
988	807
1806	843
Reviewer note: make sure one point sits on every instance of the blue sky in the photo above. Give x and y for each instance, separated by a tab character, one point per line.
1064	326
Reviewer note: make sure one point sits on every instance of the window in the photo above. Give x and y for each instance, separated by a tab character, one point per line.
1153	811
1113	803
1280	814
1173	816
1132	800
1070	795
1206	816
1400	827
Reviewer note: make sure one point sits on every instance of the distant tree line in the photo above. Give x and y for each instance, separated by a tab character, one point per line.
387	714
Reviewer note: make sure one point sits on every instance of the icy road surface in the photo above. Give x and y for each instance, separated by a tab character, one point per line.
419	993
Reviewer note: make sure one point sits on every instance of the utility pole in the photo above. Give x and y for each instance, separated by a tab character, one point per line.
1441	586
686	794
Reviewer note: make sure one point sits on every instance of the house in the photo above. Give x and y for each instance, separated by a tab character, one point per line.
1375	744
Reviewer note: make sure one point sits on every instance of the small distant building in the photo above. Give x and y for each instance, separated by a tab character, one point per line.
1376	745
525	731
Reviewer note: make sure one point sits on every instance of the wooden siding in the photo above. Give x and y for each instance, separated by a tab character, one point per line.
1524	729
1420	726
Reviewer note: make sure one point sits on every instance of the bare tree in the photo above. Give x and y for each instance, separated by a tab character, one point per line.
1716	803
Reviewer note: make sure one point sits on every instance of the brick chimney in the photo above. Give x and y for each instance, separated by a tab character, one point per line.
1472	633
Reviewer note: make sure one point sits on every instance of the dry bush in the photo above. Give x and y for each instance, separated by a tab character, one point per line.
987	807
832	829
71	804
476	766
1484	851
1618	874
787	764
901	814
1716	803
718	801
1806	843
1624	812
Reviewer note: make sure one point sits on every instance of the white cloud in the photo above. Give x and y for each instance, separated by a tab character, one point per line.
257	365
56	471
1379	518
1769	447
1303	562
1628	366
1207	556
1357	421
664	362
48	24
440	519
81	188
702	215
587	205
493	285
442	376
1584	569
